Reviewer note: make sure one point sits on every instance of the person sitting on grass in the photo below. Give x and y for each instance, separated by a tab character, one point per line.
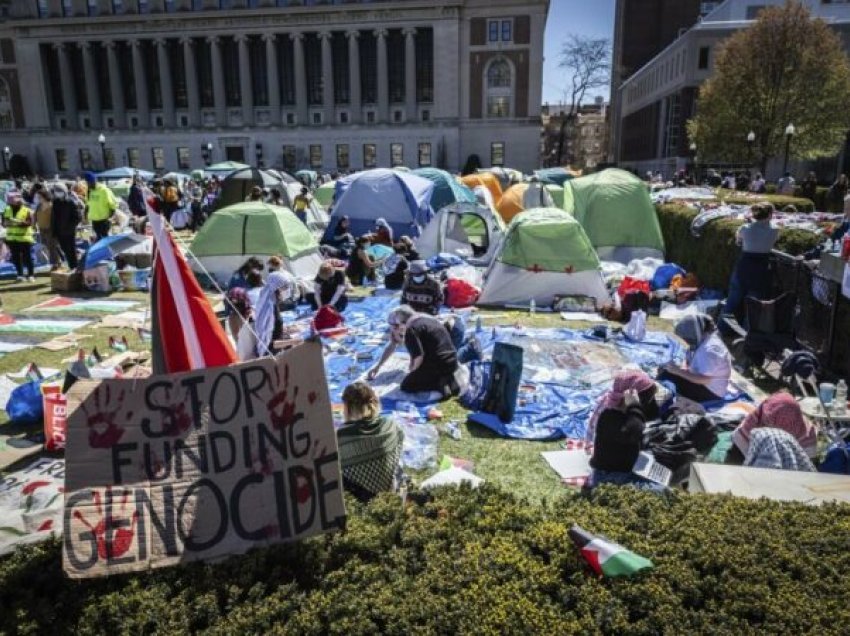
709	369
361	267
777	449
779	411
329	288
616	430
433	357
369	444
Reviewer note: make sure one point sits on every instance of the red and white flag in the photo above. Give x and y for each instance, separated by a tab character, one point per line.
186	333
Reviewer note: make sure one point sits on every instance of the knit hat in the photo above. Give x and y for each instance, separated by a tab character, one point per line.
90	177
778	411
417	268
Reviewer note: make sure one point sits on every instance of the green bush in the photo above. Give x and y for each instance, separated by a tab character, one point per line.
712	256
481	562
779	201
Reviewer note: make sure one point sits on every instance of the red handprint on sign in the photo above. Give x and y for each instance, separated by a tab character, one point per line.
281	411
121	537
104	431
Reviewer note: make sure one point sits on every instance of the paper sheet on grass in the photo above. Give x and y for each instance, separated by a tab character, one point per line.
568	463
31	503
581	315
672	311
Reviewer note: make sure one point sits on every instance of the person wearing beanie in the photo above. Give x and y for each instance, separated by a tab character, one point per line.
421	291
101	206
616	430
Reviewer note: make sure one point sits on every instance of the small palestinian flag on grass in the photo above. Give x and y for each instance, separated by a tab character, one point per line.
605	557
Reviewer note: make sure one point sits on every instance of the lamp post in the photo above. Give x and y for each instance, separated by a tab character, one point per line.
693	148
101	139
208	148
751	138
6	155
789	132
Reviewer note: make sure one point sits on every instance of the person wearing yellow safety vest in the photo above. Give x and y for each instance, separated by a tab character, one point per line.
18	221
101	205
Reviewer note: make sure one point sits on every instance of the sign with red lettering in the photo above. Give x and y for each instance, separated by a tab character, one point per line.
199	465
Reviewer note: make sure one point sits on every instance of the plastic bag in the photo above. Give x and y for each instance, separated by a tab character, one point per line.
26	405
460	293
635	329
632	284
643	268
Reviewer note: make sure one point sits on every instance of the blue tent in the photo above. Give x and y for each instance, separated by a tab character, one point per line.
447	189
106	248
401	198
124	173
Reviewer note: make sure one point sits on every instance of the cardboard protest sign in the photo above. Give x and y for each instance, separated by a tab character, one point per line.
199	465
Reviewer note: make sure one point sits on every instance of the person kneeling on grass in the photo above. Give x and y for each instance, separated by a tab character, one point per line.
433	358
369	444
329	288
616	429
709	364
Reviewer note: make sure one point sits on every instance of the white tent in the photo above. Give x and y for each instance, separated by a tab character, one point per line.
544	253
317	218
469	230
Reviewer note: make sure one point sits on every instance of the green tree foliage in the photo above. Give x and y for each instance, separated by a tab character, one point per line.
786	69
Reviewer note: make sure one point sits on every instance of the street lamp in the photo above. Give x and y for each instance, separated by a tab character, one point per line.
751	138
101	139
6	155
789	132
207	153
693	148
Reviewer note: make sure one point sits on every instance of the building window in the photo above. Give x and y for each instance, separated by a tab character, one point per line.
424	155
499	88
85	159
426	115
43	9
184	121
225	4
497	153
197	5
370	117
315	156
184	161
396	155
170	6
397	116
62	160
289	158
425	65
133	158
290	119
395	66
134	122
507	30
370	156
317	118
343	118
144	6
158	155
342	159
498	107
493	31
702	63
108	158
92	7
67	8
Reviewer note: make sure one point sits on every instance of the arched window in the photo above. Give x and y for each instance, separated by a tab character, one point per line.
499	93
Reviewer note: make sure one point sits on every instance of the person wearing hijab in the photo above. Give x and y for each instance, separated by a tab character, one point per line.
341	242
361	267
709	367
616	430
268	326
383	233
780	411
777	449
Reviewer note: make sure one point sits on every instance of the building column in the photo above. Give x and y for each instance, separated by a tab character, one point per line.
273	77
166	88
218	81
327	79
118	108
192	93
410	73
92	93
66	77
142	105
356	99
383	79
300	78
246	90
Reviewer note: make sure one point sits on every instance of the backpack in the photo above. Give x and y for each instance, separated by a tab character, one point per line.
505	376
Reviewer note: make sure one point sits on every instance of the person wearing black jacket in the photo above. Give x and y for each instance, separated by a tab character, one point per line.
67	215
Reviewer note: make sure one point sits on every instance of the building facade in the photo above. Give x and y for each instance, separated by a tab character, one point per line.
657	100
332	85
585	144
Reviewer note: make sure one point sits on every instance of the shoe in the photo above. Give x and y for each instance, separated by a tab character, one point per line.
30	279
19	279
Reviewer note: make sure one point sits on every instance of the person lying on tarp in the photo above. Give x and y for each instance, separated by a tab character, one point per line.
433	358
709	369
369	444
616	431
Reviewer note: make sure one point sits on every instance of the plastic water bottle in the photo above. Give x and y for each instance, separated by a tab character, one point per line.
532	307
841	396
478	322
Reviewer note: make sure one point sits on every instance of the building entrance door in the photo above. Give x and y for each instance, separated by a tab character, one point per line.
235	153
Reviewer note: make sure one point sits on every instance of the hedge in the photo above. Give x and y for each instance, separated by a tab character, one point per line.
712	256
482	562
779	201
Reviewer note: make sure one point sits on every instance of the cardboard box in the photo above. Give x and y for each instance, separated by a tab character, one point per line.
66	281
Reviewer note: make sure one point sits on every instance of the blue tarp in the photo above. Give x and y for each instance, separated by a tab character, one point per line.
402	199
106	248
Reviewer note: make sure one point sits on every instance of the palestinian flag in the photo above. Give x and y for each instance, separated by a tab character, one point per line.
605	557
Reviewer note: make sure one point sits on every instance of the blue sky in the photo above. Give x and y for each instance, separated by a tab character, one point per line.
585	17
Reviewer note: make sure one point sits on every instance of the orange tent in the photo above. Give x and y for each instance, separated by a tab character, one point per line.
486	179
521	197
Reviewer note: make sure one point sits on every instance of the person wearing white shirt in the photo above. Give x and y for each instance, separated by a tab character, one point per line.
709	369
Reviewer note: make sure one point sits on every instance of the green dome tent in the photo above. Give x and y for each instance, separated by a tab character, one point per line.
544	253
234	233
614	208
324	194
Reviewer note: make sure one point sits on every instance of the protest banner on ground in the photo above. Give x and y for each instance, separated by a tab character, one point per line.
199	465
31	503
